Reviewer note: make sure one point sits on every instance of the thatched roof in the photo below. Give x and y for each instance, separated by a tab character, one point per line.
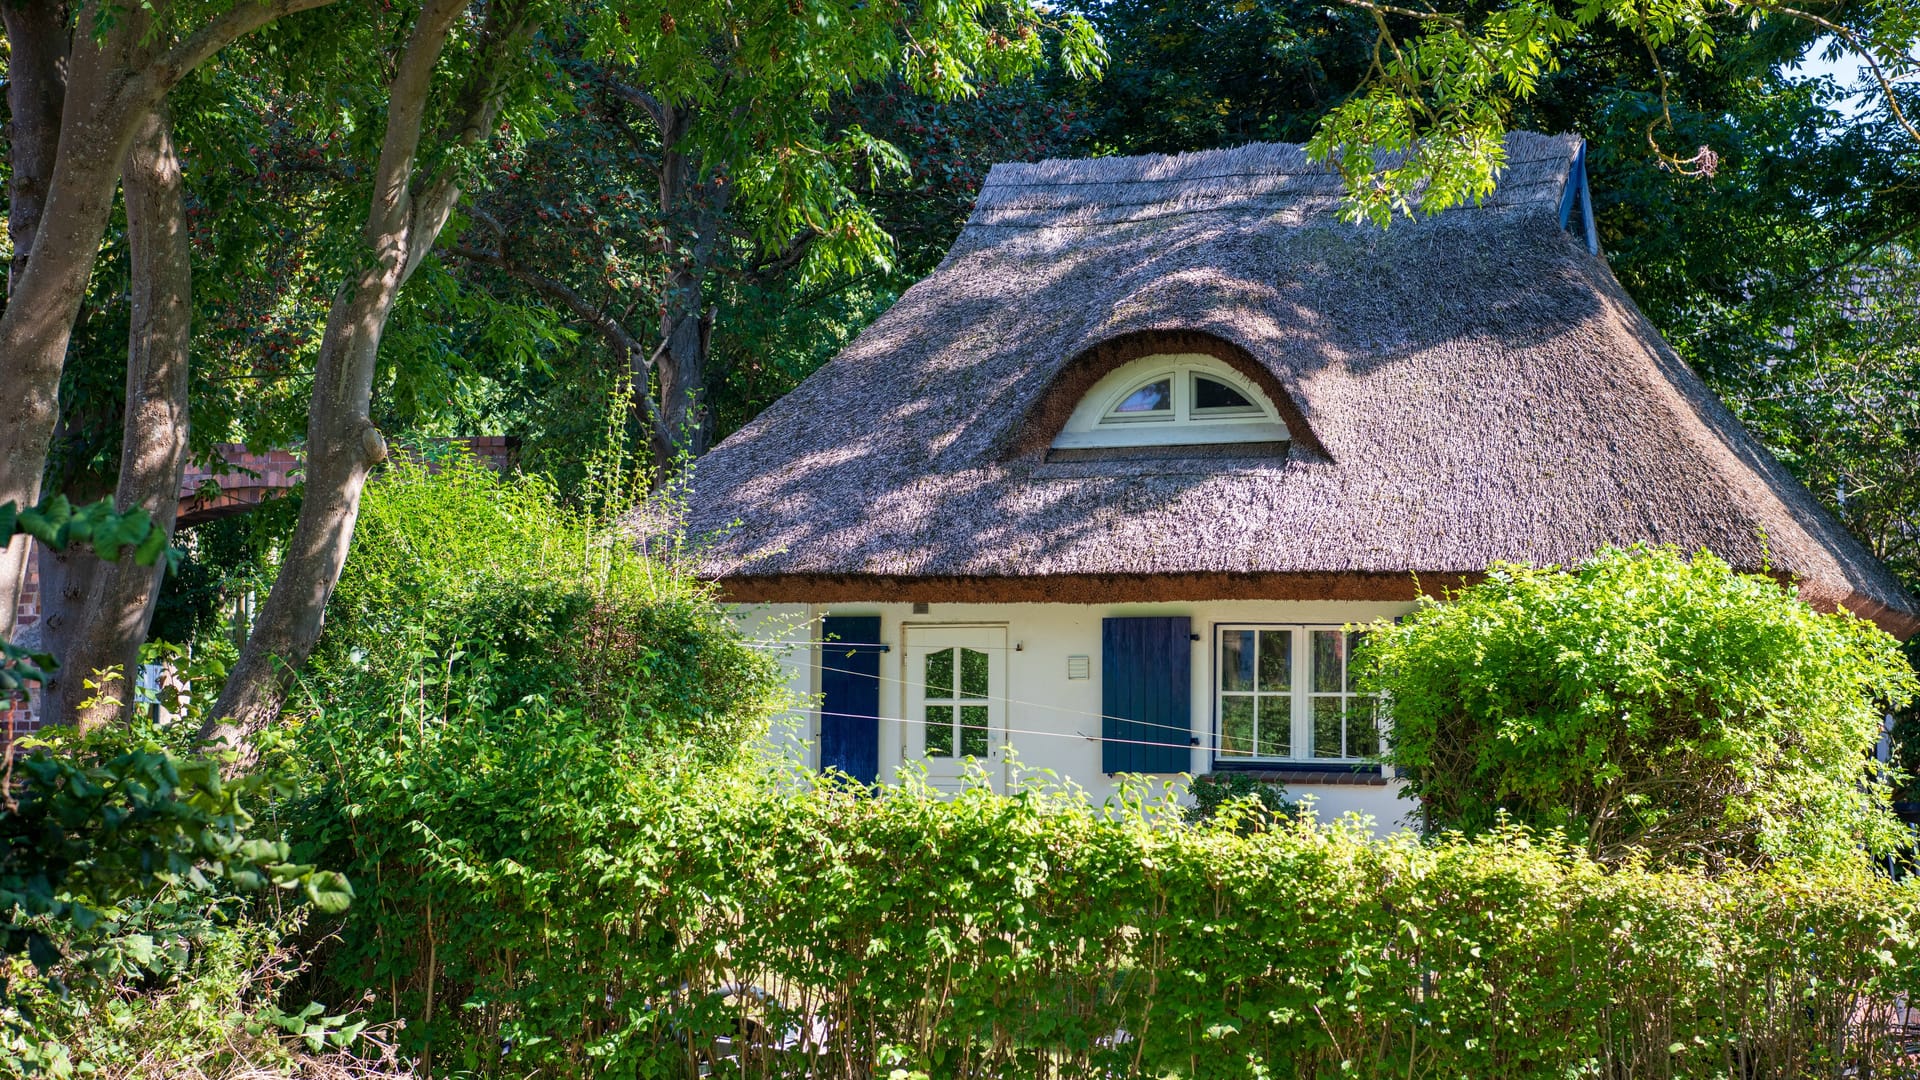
1463	389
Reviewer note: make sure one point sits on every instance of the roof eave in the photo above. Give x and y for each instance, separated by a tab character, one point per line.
1182	587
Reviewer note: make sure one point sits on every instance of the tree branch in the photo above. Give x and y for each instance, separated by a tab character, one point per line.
1847	34
389	210
788	258
609	328
507	26
633	95
236	22
1423	16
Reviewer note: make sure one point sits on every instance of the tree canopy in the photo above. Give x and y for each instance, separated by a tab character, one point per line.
703	203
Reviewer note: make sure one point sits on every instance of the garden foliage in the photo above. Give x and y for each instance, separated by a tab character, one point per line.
203	1001
531	753
1643	700
474	599
1253	803
539	909
57	523
490	649
133	878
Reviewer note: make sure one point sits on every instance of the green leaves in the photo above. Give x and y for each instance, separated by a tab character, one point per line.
99	827
20	666
1444	84
327	890
312	1027
56	523
1427	132
469	596
596	921
1646	703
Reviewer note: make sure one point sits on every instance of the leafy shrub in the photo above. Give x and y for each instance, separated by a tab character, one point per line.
124	863
522	762
210	1007
1258	803
542	912
498	663
1644	700
472	595
1906	736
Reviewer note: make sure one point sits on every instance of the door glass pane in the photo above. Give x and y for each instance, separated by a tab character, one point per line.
1276	660
1151	398
1236	660
973	731
973	673
1236	726
1363	727
939	731
1326	727
940	674
1276	725
1328	672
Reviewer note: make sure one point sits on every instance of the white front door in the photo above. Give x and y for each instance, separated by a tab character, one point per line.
957	702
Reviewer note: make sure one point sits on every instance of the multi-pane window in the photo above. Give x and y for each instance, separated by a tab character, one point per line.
1256	693
1345	724
1173	400
1211	397
957	714
1285	693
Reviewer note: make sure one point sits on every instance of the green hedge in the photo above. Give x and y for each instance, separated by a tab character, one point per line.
1649	701
525	752
529	931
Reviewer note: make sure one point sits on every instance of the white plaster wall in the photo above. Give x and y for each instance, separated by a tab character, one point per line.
786	632
1054	721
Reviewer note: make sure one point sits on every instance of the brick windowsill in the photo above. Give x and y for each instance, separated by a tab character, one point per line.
1361	776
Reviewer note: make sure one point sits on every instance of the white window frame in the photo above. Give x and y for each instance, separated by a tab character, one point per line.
1302	693
1094	423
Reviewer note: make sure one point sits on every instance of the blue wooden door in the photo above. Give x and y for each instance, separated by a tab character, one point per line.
1146	673
850	696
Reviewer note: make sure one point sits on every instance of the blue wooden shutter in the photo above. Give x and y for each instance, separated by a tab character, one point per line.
850	696
1146	679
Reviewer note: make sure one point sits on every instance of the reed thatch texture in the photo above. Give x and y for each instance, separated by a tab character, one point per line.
1463	389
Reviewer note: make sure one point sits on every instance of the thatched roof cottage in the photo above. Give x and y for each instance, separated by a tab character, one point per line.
1106	487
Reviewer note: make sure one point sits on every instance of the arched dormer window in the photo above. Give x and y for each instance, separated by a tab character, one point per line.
1187	399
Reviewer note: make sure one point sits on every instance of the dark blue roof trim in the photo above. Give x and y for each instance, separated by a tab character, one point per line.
1577	191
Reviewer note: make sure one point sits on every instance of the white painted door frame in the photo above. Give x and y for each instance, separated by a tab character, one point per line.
955	675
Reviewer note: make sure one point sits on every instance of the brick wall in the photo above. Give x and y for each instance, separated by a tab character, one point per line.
18	719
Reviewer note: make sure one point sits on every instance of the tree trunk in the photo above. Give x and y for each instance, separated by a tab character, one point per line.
47	292
695	210
116	75
36	89
342	443
112	623
66	580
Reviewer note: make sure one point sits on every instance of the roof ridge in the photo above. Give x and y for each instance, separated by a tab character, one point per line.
1249	204
1531	182
1480	386
1317	171
1071	192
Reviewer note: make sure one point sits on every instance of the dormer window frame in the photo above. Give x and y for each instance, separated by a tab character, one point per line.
1248	406
1098	422
1160	414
